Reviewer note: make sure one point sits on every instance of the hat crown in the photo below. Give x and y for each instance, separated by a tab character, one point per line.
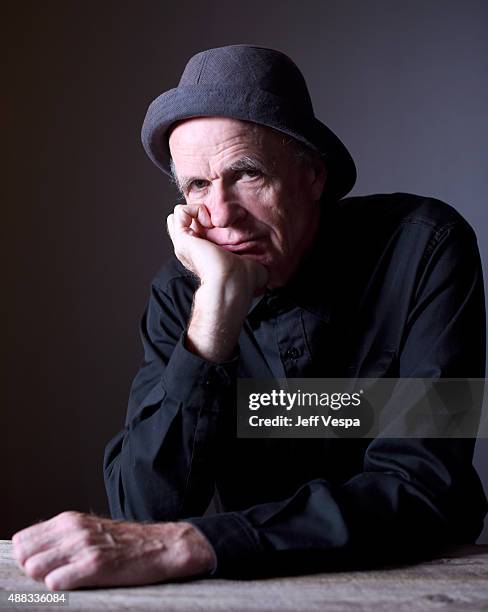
250	68
247	83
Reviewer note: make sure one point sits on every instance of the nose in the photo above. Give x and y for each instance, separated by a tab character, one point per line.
225	210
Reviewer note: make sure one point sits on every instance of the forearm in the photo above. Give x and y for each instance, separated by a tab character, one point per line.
161	466
376	517
227	284
219	310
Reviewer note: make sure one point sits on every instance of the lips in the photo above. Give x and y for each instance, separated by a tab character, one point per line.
243	245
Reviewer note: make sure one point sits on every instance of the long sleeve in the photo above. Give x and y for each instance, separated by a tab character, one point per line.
393	499
160	465
412	495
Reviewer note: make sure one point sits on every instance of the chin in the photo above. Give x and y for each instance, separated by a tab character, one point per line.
274	283
255	257
259	257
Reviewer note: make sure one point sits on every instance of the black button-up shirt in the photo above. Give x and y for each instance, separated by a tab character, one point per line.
391	287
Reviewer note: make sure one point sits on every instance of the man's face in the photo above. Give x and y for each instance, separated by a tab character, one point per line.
262	201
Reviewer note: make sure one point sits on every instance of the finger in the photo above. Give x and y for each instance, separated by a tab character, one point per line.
66	549
23	550
34	539
47	534
34	531
191	209
183	216
195	215
169	225
195	228
204	217
39	565
182	223
170	228
95	567
98	570
73	575
202	221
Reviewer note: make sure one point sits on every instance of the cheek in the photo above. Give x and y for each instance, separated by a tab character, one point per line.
257	206
267	215
278	212
273	211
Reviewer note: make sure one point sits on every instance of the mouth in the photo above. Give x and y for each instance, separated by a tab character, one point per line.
241	247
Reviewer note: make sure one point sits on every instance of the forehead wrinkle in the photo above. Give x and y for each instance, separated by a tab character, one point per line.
207	155
258	144
216	135
213	136
245	162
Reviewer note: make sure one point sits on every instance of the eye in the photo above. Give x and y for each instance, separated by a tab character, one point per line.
251	173
197	185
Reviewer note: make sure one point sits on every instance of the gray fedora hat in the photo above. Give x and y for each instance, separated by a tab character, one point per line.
252	84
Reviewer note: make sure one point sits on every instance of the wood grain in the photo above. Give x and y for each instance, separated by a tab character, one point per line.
456	581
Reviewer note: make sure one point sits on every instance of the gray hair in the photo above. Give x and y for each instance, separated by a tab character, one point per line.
302	153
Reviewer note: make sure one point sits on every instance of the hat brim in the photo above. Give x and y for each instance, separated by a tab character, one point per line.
258	106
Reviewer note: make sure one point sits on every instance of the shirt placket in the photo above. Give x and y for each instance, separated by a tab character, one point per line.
291	343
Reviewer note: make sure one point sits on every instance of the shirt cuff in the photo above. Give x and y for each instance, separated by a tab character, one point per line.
235	544
192	379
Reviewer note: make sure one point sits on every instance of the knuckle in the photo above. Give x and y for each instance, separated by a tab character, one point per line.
181	552
94	559
33	568
85	537
71	518
55	584
18	553
68	514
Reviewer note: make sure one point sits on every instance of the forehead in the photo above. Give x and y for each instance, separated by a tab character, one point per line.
216	136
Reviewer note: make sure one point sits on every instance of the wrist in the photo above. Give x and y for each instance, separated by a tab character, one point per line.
217	317
222	301
228	289
195	555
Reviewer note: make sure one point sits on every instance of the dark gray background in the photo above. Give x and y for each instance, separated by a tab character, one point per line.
404	84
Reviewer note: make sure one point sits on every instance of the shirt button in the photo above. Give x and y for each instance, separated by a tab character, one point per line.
273	303
292	353
210	381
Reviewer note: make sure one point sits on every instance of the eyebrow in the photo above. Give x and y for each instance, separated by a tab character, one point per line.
246	162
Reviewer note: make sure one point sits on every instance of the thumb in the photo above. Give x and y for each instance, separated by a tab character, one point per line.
203	217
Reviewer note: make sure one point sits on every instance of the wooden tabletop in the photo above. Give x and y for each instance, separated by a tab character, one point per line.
456	581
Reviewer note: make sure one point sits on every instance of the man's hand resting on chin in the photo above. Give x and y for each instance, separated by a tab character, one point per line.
213	265
75	550
228	283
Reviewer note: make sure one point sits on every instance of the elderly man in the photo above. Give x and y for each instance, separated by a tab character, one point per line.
275	277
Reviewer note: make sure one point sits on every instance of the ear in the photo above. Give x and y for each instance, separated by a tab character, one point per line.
317	176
